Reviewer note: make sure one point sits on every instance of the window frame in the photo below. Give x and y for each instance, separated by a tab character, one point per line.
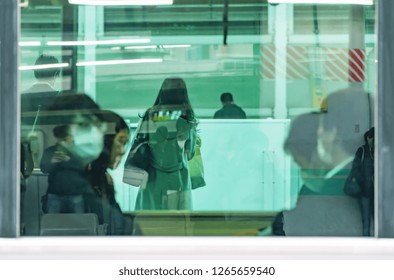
9	120
10	116
384	158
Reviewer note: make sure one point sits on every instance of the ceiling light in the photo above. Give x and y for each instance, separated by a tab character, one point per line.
102	42
175	46
114	62
336	2
43	66
121	2
30	44
140	47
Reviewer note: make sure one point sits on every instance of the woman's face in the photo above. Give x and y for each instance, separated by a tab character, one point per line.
371	141
118	148
86	137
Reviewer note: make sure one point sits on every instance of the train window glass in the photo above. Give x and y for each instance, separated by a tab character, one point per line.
274	102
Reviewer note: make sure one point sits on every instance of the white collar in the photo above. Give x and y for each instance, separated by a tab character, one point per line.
40	87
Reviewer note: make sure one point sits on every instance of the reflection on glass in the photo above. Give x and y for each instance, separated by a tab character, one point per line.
324	150
168	130
279	171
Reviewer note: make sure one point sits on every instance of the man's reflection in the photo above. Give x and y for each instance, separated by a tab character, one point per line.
325	156
301	144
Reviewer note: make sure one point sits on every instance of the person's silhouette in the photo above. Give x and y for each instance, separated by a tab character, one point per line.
169	128
40	94
229	110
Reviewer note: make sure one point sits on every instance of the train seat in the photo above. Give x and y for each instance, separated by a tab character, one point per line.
69	224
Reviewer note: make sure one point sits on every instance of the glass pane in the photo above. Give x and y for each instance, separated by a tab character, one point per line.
271	102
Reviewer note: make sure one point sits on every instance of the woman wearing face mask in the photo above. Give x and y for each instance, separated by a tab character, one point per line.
169	129
79	141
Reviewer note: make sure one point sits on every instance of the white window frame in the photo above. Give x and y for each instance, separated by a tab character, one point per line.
195	247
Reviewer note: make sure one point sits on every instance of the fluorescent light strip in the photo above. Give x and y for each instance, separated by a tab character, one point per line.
115	62
103	42
336	2
121	2
140	47
175	46
29	44
43	66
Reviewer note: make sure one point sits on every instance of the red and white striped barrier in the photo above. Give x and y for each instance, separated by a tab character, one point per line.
303	63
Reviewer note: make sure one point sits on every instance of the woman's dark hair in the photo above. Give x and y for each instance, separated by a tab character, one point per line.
70	101
61	131
369	134
121	125
63	108
173	91
111	117
99	166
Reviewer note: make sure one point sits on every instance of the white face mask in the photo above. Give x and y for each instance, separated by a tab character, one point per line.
88	143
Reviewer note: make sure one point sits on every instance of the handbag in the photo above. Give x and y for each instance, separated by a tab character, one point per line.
135	173
352	187
196	167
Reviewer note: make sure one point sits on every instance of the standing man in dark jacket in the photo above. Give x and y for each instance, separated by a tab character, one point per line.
33	100
229	109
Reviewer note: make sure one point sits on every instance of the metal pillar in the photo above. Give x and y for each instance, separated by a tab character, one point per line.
357	43
91	20
69	26
384	206
9	119
280	40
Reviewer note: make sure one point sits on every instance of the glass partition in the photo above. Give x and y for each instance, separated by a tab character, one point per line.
198	118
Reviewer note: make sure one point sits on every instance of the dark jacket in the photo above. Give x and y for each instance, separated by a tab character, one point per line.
165	161
363	168
230	111
102	202
67	177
